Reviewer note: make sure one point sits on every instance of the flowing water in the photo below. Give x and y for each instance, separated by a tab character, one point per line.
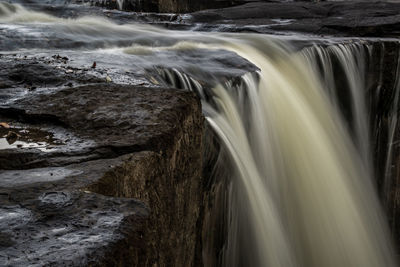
301	188
318	192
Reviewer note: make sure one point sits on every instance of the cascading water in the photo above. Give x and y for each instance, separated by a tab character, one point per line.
300	193
325	197
120	4
350	60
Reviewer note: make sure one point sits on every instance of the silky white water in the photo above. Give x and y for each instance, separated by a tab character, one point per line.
303	190
300	193
315	205
350	58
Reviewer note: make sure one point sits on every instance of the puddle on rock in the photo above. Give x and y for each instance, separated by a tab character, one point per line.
27	138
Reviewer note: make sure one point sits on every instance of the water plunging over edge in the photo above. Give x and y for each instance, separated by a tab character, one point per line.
304	191
300	194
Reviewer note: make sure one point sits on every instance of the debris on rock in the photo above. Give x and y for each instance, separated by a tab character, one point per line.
12	137
4	125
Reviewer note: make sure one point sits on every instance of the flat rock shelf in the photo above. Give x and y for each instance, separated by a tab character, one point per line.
68	199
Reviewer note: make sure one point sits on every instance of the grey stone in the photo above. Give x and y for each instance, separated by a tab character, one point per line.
113	180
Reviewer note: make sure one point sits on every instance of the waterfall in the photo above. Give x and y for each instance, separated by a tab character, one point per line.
318	187
302	193
350	60
7	9
120	4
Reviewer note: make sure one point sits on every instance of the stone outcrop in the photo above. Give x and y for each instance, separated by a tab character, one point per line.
165	6
333	18
98	174
343	18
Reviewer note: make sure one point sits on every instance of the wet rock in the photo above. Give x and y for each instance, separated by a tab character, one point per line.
340	18
19	74
166	6
384	110
344	18
11	137
76	234
114	178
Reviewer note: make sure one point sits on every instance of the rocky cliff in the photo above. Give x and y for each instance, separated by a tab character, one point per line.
76	157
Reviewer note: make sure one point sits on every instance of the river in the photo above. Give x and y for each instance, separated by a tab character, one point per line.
301	190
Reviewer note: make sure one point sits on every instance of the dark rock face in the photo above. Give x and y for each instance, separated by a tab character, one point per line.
158	179
165	6
129	5
385	128
184	6
340	18
81	153
344	18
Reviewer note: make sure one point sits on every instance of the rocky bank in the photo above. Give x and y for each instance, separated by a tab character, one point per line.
341	18
98	174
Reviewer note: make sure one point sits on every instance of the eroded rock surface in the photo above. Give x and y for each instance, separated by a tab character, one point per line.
344	18
175	6
339	18
99	174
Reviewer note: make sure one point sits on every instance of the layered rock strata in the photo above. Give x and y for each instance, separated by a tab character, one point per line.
100	175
